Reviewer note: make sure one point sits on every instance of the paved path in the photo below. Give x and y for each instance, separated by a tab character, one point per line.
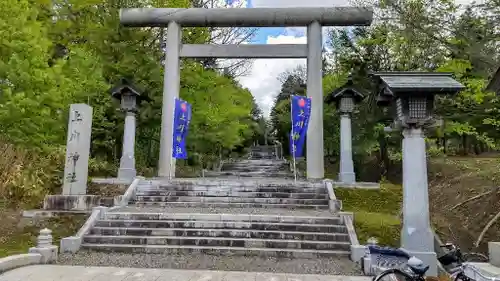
81	273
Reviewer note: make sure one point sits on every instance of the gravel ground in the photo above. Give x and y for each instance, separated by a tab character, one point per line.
330	266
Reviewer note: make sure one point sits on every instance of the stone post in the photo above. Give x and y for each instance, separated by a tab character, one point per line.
127	161
44	246
314	157
77	150
171	87
346	174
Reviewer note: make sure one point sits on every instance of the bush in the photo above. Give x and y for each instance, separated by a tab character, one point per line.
26	177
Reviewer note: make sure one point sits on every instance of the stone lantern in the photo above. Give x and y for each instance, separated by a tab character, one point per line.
129	96
345	99
410	98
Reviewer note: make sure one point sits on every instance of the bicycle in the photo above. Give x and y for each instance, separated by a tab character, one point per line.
415	269
455	258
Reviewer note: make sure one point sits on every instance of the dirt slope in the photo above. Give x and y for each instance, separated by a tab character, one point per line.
454	180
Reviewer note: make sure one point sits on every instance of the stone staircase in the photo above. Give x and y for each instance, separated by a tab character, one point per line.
219	216
260	212
263	152
262	163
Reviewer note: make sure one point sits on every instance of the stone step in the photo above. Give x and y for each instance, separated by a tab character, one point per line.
232	189
247	174
230	205
178	249
232	193
261	164
217	199
214	232
223	182
247	169
176	215
250	226
258	161
217	242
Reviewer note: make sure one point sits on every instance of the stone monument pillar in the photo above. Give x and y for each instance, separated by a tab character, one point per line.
77	150
411	96
345	99
128	96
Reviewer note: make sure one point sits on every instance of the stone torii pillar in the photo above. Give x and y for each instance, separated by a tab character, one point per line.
313	18
345	99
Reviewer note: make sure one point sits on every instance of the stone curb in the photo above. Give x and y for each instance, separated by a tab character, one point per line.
16	261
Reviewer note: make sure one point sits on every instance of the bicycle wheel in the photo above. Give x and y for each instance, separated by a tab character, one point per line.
474	257
461	277
393	275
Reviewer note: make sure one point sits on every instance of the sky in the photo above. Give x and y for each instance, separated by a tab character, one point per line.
262	78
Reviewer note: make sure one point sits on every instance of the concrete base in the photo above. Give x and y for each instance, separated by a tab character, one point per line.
494	253
127	173
71	202
358	252
358	185
428	258
335	205
49	253
349	178
48	214
112	181
70	244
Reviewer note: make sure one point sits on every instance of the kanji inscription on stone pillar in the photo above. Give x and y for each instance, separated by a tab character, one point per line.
77	149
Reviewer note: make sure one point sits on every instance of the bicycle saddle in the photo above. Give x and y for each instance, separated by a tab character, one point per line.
389	251
417	266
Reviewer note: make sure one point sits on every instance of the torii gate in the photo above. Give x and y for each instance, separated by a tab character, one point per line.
313	18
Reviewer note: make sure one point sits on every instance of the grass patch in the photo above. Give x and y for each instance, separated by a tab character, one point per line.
375	212
18	234
385	227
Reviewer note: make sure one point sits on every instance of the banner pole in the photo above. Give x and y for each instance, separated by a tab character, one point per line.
293	143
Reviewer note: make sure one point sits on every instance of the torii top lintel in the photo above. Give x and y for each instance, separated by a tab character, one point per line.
251	17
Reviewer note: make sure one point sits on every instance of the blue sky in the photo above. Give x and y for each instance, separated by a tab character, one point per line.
263	33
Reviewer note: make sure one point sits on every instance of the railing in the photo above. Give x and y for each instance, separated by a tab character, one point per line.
278	148
131	191
334	204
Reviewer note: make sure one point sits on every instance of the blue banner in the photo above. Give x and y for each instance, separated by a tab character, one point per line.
301	112
182	117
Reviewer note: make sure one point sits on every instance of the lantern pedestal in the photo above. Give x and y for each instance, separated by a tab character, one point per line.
416	234
127	161
346	174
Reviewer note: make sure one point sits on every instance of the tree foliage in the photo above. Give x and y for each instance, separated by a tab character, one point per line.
56	53
411	35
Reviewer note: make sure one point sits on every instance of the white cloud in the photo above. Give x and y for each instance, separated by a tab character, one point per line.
262	80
